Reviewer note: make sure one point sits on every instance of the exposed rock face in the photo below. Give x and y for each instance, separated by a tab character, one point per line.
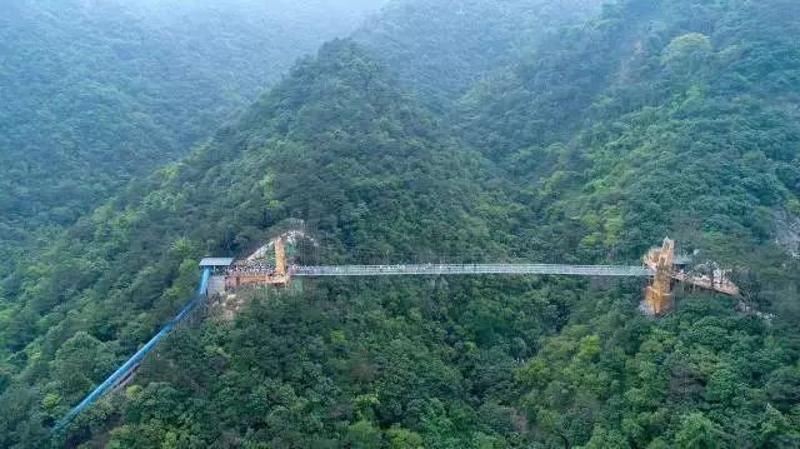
225	306
787	232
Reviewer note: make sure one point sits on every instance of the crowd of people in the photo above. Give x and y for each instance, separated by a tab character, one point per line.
254	267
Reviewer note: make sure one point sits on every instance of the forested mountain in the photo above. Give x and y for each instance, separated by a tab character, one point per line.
94	93
662	117
653	118
442	48
334	145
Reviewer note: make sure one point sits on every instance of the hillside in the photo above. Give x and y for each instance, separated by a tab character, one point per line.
441	48
680	132
650	119
334	145
97	93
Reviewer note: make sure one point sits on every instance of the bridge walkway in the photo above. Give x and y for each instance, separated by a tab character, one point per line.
471	269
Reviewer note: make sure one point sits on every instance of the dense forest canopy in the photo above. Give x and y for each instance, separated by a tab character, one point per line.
478	131
95	93
652	122
442	48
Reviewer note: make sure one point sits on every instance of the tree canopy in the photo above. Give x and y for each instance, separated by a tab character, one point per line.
587	143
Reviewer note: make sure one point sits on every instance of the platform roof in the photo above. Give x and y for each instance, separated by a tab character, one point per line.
216	262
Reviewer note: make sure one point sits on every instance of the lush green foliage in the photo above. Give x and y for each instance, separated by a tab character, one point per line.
652	121
654	118
334	145
442	48
422	366
469	364
96	93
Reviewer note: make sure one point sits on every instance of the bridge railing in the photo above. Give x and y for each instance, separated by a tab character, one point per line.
456	269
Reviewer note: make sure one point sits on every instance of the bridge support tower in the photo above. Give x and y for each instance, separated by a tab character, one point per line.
658	299
281	275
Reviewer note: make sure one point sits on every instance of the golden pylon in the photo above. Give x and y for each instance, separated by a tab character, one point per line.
658	299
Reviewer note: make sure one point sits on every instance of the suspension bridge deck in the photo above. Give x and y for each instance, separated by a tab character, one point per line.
472	269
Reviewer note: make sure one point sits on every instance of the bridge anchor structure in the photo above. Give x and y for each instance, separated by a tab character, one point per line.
659	298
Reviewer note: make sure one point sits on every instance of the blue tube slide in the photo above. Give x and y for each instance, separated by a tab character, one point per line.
123	371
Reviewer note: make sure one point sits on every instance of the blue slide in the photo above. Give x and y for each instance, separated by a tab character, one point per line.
128	367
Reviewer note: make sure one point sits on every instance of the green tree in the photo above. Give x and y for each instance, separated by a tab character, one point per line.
81	362
363	435
400	438
698	432
688	54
